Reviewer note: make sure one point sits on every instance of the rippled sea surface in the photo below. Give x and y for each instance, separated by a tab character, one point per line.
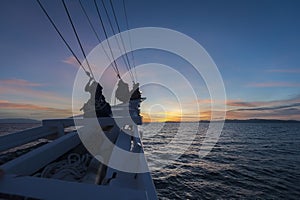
11	128
249	161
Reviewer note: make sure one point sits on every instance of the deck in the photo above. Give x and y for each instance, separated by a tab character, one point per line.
18	176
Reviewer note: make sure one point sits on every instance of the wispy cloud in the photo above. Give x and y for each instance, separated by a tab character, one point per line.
273	84
207	101
285	114
71	60
4	101
268	108
241	103
237	103
27	89
279	109
19	82
15	109
10	105
239	109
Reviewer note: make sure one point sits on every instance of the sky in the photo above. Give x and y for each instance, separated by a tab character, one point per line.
254	44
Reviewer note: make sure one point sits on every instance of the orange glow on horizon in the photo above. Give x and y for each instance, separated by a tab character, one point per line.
175	116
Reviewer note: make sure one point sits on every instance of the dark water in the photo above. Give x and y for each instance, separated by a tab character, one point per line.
11	128
250	161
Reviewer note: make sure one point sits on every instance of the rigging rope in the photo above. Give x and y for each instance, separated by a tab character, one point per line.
116	20
114	32
97	36
114	64
130	42
61	36
106	36
77	37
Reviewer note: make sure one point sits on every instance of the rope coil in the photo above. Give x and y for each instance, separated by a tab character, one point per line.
72	168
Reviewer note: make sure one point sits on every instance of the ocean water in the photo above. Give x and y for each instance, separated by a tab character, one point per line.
11	128
249	161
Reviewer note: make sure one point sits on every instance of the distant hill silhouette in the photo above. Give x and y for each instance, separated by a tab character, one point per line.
246	121
32	121
256	121
19	121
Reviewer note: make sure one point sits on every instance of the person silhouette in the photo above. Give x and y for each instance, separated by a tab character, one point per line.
135	92
122	92
97	102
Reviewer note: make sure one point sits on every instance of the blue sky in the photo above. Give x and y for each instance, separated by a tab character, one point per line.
255	45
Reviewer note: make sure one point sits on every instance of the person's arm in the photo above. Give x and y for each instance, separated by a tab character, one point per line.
87	86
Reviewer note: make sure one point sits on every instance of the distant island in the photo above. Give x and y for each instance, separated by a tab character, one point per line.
260	121
246	121
19	121
33	121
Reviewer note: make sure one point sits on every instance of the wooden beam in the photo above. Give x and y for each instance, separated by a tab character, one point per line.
103	121
51	189
58	122
23	137
34	160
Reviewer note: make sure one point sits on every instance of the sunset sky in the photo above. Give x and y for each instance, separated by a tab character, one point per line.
255	45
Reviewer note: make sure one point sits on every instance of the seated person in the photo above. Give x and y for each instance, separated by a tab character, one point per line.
122	92
135	92
97	102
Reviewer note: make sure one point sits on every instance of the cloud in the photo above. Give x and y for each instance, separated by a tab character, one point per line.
239	109
279	109
273	84
289	111
268	108
10	105
3	101
19	82
284	114
27	89
14	109
22	98
71	60
241	103
207	101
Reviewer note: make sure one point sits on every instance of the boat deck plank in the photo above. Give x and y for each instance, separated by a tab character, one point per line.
49	189
23	137
32	161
